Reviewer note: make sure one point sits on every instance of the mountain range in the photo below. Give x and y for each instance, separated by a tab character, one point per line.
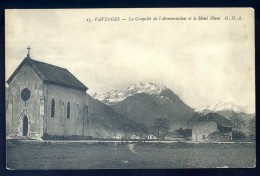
143	103
116	96
221	106
226	109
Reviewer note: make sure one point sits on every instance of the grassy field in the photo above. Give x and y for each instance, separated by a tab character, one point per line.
80	155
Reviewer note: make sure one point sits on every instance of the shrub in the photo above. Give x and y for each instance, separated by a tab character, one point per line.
251	137
238	135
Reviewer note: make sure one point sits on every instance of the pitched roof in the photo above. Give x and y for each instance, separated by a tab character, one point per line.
51	74
220	120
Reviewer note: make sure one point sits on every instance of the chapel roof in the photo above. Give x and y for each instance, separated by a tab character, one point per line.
50	74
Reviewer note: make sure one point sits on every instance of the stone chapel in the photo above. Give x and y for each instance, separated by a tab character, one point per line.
43	99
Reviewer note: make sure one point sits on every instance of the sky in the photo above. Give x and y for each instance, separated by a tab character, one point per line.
203	61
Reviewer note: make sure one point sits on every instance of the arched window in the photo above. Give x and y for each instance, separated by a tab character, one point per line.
52	107
63	110
68	110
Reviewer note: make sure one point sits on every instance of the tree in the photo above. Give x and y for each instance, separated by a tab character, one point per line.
127	131
251	125
237	121
251	128
238	135
162	126
141	132
98	134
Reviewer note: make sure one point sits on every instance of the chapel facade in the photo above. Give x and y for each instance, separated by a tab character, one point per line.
43	99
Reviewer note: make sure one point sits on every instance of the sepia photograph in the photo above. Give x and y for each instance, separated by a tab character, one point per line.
130	88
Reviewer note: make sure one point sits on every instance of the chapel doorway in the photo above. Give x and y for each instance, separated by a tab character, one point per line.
25	126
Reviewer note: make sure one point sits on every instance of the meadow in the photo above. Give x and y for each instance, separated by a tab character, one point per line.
110	155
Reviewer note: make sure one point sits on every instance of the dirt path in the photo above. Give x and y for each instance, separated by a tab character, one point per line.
131	147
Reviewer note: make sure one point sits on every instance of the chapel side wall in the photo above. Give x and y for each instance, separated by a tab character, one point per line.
16	108
203	128
88	131
60	125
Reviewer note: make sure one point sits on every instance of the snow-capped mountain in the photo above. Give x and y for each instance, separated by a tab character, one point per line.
143	103
226	109
221	106
116	96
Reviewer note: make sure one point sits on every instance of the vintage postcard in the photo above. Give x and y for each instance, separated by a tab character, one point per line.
154	88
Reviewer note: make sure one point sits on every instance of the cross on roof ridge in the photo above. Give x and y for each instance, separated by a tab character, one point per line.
28	54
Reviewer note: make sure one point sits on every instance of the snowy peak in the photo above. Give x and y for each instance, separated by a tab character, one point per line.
115	96
222	106
149	88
